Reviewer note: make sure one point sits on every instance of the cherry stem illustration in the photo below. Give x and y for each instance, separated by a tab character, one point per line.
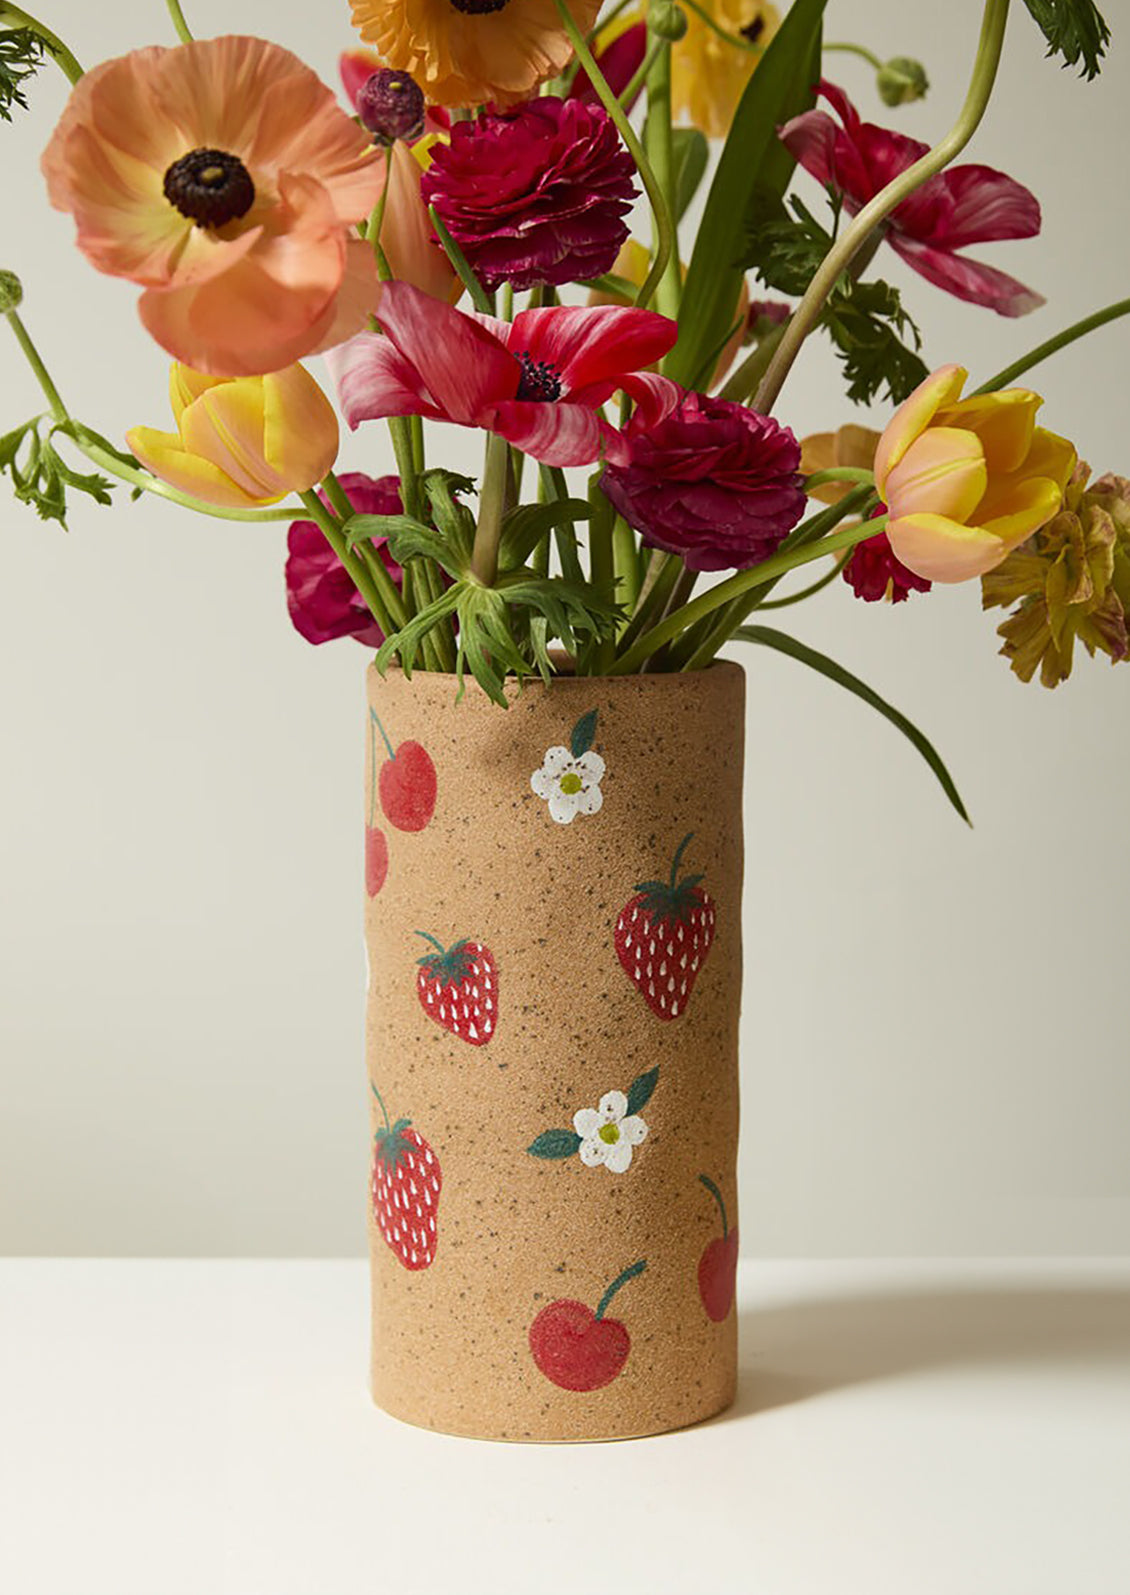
678	859
373	771
434	940
621	1279
376	721
384	1110
717	1195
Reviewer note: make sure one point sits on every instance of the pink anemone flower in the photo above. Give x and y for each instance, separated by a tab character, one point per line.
964	205
224	179
539	383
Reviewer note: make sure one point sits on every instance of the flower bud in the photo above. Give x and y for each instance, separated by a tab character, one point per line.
667	20
391	105
902	80
11	292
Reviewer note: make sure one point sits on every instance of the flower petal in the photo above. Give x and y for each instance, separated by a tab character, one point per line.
555	434
590	765
633	1129
943	472
942	550
591	344
619	1157
165	455
913	416
374	380
300	431
563	807
593	1153
557	760
1029	506
586	1122
613	1105
1004	422
590	800
461	365
967	279
970	204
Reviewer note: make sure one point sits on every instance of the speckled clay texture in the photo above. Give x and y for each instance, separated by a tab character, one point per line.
515	1233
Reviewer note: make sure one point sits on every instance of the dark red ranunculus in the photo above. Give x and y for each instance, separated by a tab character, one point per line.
320	596
709	480
536	194
875	572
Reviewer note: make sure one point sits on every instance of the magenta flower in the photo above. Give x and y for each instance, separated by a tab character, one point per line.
874	571
964	205
539	383
320	596
536	194
709	480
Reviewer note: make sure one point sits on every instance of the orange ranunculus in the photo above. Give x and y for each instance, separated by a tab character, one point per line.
967	480
224	178
242	441
466	52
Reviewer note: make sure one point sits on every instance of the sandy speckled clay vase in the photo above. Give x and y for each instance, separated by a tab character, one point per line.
553	919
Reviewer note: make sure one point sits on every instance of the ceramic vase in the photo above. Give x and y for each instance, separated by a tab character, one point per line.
553	924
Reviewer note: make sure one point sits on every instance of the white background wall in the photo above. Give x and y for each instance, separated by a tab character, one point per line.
935	1048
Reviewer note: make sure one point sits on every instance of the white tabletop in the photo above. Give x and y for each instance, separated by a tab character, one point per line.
903	1428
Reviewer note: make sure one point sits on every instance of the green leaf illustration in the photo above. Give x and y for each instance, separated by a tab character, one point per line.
640	1090
555	1144
583	733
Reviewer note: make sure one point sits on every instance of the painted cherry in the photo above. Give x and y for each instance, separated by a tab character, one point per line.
718	1265
578	1349
407	783
376	859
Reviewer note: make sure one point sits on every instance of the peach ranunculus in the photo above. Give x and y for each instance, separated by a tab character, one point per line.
466	52
224	178
242	441
850	446
967	480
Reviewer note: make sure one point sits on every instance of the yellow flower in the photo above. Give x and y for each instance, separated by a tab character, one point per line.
852	446
465	52
967	480
243	441
708	73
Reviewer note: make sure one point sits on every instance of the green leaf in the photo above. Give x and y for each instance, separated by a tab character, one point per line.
690	153
41	477
768	637
524	527
405	641
641	1089
785	243
453	519
555	1144
21	54
753	159
1075	30
872	334
583	733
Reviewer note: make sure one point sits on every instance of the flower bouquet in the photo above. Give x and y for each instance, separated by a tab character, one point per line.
599	238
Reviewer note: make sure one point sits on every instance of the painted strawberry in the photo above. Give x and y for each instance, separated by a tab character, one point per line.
662	938
458	988
405	1189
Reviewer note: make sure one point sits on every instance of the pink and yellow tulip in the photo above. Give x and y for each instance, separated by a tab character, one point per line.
967	480
242	442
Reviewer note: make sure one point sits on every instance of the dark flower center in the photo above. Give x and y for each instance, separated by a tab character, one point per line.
540	381
210	187
479	8
753	30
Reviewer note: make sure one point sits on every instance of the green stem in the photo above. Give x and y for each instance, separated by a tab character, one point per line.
660	149
678	859
626	563
857	49
602	565
717	1195
183	32
640	75
434	941
384	1110
479	296
742	381
401	433
42	375
745	581
375	719
853	238
488	533
807	592
839	473
396	612
359	572
620	1280
661	211
62	57
662	574
1050	346
750	46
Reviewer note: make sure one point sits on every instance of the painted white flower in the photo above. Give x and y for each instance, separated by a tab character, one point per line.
570	784
609	1134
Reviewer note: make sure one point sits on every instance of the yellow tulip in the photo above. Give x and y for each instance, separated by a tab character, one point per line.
967	480
242	441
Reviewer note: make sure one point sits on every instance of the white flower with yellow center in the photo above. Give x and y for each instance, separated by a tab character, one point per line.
609	1133
569	778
